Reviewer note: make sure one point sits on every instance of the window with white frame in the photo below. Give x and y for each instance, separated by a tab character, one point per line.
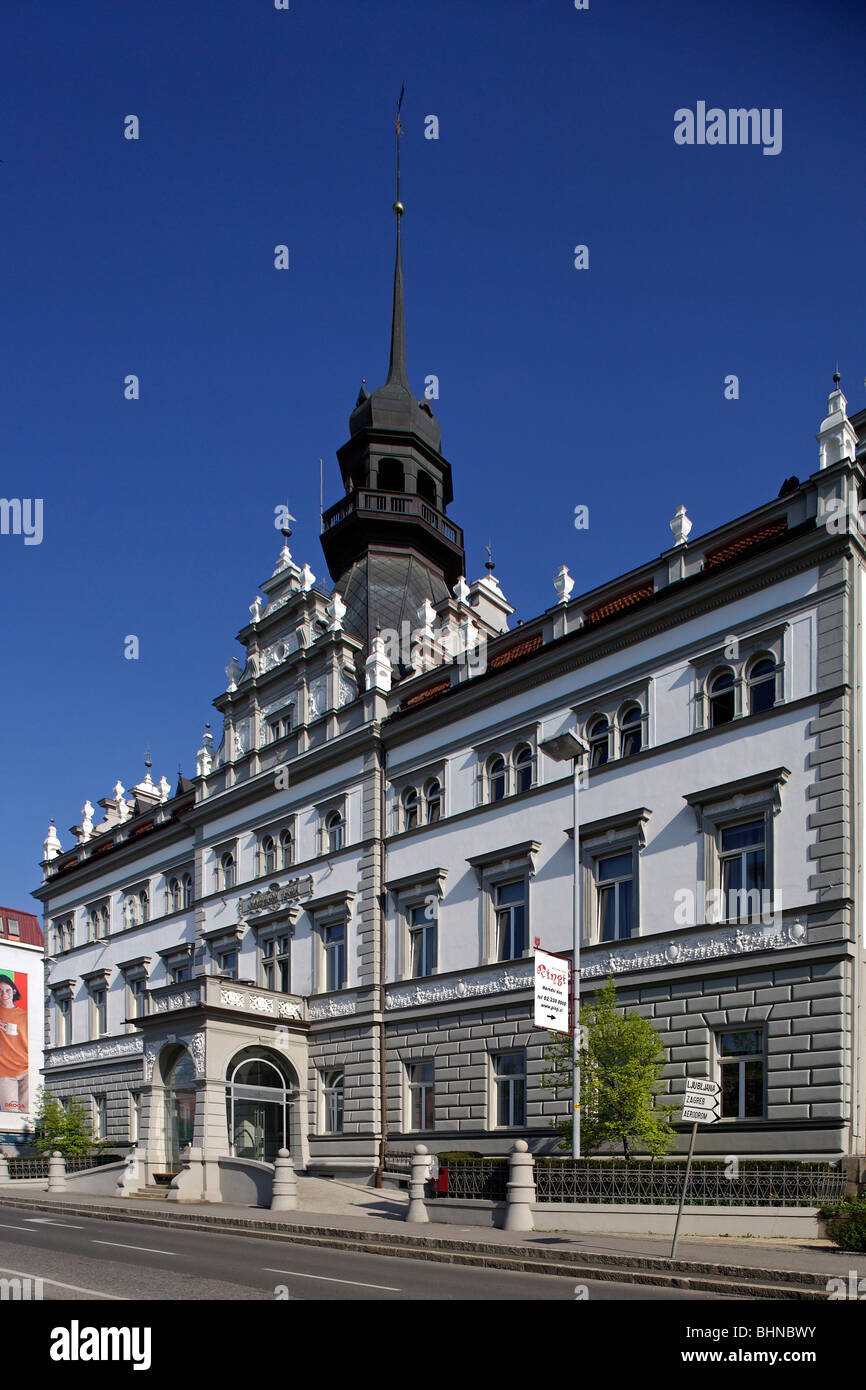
178	963
509	1089
287	847
599	741
423	938
615	723
226	870
267	855
63	1019
136	906
137	996
610	851
333	937
508	770
275	960
64	937
630	731
333	1089
433	800
100	1116
523	767
98	991
421	1096
334	832
134	1116
509	900
409	803
98	922
280	725
736	830
741	1069
743	677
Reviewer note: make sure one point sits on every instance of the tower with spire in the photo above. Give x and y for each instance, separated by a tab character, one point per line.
388	543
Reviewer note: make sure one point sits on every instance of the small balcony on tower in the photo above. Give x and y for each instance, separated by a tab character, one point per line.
370	516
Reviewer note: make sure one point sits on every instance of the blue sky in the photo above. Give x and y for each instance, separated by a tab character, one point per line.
558	387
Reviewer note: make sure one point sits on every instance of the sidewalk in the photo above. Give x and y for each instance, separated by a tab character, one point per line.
338	1214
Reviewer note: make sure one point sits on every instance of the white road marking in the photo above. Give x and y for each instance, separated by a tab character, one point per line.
296	1274
148	1248
46	1221
76	1288
4	1227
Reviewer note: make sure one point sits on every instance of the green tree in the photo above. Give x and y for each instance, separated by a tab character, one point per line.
67	1129
621	1062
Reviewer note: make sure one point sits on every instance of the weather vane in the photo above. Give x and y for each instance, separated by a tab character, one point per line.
398	125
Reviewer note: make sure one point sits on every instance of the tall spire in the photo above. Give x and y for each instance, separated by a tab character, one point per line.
397	373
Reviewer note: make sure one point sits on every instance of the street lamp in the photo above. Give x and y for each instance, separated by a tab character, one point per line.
564	748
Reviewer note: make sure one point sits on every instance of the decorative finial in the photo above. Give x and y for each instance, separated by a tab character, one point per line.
836	377
488	564
397	374
285	529
147	760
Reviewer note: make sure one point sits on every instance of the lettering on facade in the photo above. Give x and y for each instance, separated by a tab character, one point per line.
276	896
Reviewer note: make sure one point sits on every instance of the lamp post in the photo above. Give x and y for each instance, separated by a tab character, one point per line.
566	748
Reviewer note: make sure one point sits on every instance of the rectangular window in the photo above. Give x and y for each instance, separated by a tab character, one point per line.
100	1117
742	855
64	1021
100	1011
179	972
12	924
510	908
333	1094
615	884
420	1095
138	998
227	963
334	942
509	1072
276	970
741	1063
422	940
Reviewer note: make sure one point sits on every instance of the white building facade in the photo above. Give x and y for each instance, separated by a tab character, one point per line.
324	940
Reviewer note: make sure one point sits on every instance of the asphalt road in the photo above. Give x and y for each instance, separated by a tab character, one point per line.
80	1258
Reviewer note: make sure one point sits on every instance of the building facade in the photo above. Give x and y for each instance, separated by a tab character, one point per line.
325	938
22	1021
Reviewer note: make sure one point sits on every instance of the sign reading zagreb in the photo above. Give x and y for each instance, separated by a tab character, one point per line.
551	992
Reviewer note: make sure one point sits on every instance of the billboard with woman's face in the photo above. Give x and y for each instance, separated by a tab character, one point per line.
14	1048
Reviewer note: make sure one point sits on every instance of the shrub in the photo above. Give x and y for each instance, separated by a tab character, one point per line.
846	1223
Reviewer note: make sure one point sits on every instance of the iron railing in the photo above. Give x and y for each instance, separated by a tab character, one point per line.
660	1184
478	1180
37	1166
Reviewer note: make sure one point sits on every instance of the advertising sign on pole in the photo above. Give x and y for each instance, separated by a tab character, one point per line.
551	993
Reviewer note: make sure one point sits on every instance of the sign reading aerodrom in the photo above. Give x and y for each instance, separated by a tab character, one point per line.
551	993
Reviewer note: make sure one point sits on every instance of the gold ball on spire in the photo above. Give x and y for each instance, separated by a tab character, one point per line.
399	209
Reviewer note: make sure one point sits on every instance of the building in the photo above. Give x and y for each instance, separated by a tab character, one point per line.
324	939
22	1022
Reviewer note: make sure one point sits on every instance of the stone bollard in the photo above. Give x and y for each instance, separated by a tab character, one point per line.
4	1169
520	1192
56	1172
417	1208
285	1191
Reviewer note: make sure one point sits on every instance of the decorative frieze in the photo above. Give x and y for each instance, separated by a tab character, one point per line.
441	991
275	896
268	1006
106	1050
697	946
178	999
333	1008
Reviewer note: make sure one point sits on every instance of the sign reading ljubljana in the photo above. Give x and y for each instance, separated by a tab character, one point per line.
701	1101
551	992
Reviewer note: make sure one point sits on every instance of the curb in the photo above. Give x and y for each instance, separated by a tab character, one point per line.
737	1281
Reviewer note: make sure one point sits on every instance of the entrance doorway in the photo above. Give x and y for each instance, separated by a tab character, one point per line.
258	1099
180	1100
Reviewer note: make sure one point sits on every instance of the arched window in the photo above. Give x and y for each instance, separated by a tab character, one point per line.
269	855
172	896
496	774
186	891
762	685
426	487
523	768
409	801
631	731
433	798
390	476
258	1098
599	742
334	832
287	847
722	694
227	870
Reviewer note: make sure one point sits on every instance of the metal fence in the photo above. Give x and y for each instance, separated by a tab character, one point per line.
660	1184
37	1167
482	1180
